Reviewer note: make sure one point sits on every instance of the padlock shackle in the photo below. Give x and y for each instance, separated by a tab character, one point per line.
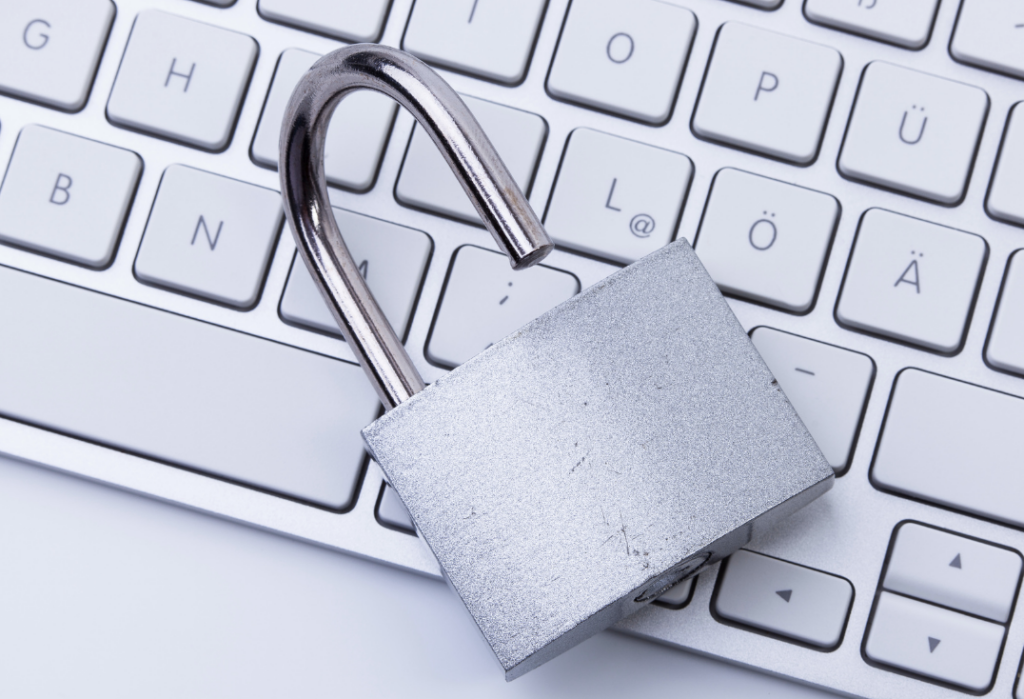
449	123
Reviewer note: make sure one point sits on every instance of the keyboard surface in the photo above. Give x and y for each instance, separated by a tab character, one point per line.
847	171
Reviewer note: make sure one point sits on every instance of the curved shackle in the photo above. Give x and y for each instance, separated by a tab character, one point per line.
445	118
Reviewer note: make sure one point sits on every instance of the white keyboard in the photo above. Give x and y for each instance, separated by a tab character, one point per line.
849	171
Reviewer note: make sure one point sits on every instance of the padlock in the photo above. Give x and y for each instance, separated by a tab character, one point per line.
572	472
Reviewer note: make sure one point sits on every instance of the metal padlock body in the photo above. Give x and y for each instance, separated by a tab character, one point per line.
575	470
569	474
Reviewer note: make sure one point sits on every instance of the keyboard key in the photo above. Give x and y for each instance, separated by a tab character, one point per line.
218	3
209	236
49	49
766	240
489	38
182	80
1005	348
356	137
616	198
677	596
827	386
988	35
912	280
763	4
192	394
484	300
1004	200
427	182
392	259
913	132
954	571
783	598
67	196
767	92
906	23
392	512
954	444
934	642
623	56
349	20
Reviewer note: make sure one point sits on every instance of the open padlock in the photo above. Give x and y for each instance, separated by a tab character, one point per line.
574	471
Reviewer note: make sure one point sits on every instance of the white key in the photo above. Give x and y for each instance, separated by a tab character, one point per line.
391	511
489	38
906	23
350	20
182	79
954	444
767	92
988	35
484	301
355	139
763	4
67	196
174	389
616	198
911	280
209	236
427	182
766	240
218	3
49	49
623	56
934	642
953	571
913	132
391	258
783	598
1005	348
1004	200
678	596
827	386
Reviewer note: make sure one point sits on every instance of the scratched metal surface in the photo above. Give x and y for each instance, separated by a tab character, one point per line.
573	464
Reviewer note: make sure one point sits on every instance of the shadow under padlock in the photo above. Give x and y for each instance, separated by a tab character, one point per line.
571	473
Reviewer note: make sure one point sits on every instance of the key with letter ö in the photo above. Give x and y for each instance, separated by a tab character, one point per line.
67	196
783	598
623	56
767	93
906	23
1005	348
355	139
49	49
913	132
484	300
182	79
617	198
911	280
827	386
209	236
427	182
766	240
391	258
489	38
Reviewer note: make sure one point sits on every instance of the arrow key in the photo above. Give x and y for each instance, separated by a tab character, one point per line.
782	598
934	642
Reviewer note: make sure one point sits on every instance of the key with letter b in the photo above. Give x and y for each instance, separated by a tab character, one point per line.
580	467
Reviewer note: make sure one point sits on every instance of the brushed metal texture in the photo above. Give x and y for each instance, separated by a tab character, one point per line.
613	446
